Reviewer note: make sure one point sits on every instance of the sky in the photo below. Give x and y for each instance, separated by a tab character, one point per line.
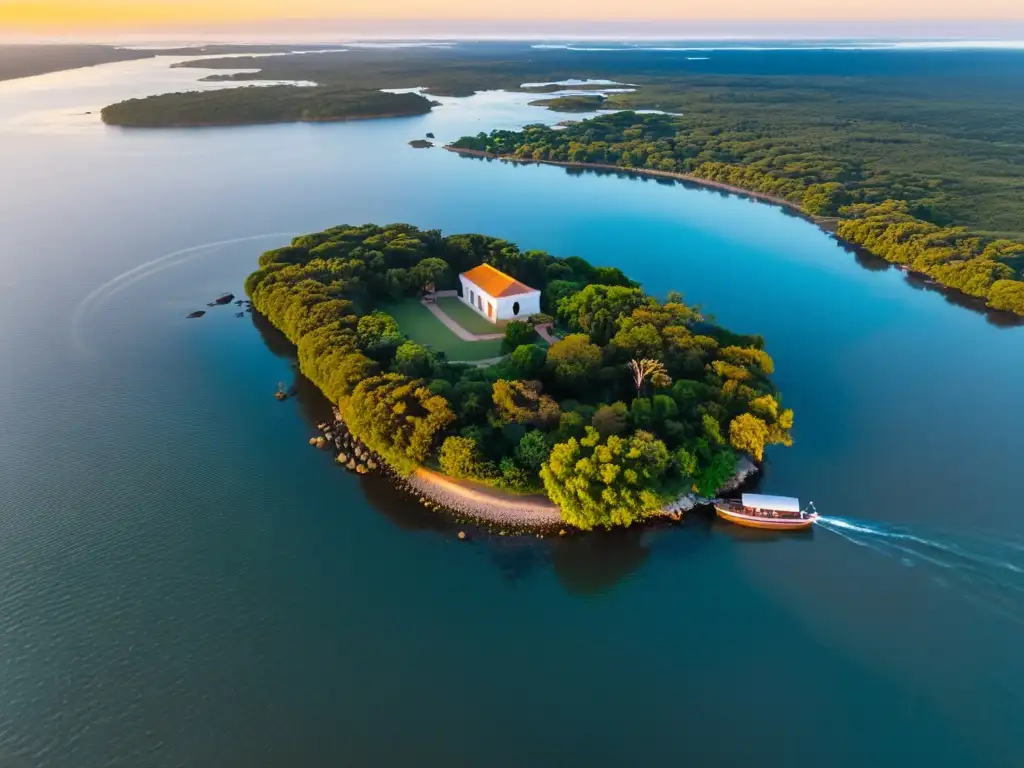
120	15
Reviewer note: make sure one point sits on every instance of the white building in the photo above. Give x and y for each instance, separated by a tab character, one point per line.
498	296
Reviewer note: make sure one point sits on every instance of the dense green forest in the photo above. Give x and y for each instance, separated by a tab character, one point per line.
640	400
261	104
921	153
902	218
939	127
571	103
28	60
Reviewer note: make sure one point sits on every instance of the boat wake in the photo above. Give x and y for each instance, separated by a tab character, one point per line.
987	568
131	276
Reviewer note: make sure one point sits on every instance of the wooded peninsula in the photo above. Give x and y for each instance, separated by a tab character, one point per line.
27	60
640	400
261	104
918	154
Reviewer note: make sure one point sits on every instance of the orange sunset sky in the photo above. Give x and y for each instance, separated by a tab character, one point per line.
139	14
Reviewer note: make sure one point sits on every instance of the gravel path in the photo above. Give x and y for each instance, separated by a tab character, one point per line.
544	331
485	363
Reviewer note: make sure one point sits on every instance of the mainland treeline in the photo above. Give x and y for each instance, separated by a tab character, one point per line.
908	224
25	60
261	104
641	400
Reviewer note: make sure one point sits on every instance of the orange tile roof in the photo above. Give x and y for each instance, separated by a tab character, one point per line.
494	282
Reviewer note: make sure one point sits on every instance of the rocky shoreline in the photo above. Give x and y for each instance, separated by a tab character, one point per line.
481	503
745	470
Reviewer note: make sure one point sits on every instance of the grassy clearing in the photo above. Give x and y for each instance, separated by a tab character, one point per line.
417	322
467	318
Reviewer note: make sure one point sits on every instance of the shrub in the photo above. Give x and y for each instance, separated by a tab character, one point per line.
517	334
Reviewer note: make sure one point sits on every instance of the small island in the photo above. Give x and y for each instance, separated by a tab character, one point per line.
606	407
262	104
590	103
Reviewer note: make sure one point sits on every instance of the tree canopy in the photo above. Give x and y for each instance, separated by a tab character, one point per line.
607	435
608	481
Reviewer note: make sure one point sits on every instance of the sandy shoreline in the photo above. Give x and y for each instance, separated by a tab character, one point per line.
485	503
482	502
536	511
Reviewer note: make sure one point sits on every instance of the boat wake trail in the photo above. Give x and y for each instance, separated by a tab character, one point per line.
131	276
986	567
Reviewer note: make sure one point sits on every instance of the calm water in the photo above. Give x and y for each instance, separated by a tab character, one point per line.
184	582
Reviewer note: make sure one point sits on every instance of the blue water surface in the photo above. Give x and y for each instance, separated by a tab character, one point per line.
184	582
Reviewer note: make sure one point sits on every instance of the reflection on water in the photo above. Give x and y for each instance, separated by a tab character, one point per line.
585	564
593	563
276	341
171	541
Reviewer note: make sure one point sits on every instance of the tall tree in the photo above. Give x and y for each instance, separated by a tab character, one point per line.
574	361
606	482
749	433
523	402
429	271
597	309
397	417
648	370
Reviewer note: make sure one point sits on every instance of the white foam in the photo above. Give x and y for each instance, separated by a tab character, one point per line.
135	274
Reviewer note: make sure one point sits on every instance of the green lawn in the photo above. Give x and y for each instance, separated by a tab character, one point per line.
421	326
467	318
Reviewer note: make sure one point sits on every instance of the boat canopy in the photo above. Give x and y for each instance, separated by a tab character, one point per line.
775	503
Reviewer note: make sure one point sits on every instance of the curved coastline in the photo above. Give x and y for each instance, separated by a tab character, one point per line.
486	504
827	224
822	221
493	505
601	462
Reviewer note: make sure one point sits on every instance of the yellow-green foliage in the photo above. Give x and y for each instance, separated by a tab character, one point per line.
399	418
606	482
522	402
650	399
460	458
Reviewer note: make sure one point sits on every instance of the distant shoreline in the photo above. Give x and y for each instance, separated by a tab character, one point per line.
35	59
240	123
826	223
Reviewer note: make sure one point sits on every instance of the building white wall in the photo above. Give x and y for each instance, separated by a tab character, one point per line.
529	304
470	292
504	308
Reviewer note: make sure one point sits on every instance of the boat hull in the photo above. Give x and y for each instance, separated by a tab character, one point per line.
765	523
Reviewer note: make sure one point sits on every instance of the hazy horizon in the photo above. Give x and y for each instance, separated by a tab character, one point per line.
329	30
